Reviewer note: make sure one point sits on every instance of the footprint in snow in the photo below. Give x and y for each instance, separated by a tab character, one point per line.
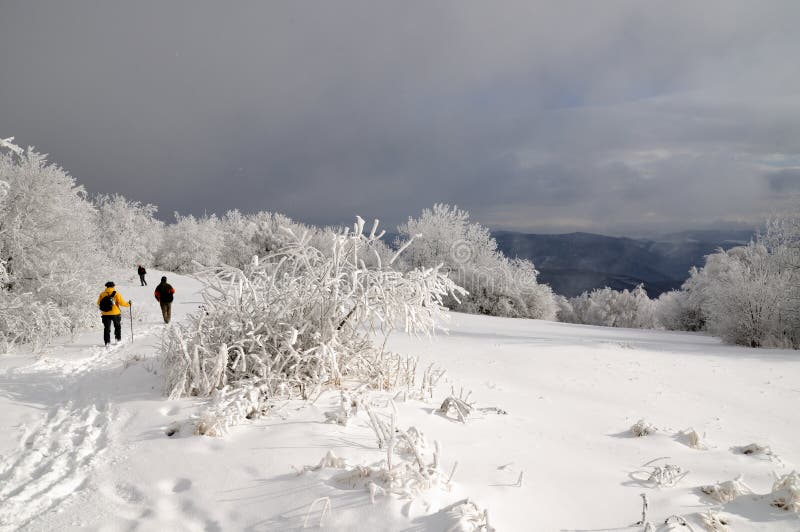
183	484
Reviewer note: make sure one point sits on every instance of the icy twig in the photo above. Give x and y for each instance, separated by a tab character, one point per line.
667	475
466	516
452	472
457	405
326	510
713	522
680	520
645	505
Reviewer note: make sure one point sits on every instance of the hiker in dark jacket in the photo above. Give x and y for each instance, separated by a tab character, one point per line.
164	294
109	302
142	273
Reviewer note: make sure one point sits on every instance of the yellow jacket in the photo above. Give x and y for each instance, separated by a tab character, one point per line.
118	302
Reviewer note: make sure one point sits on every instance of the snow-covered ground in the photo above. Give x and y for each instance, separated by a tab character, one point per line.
84	445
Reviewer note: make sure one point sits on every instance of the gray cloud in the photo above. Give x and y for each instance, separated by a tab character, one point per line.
785	180
531	115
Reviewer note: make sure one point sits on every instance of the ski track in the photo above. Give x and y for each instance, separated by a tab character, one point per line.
57	453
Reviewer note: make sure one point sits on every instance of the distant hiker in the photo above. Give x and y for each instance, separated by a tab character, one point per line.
142	273
164	294
109	303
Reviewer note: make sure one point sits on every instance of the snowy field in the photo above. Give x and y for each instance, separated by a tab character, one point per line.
84	444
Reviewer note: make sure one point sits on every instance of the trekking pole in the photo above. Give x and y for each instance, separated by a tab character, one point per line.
131	314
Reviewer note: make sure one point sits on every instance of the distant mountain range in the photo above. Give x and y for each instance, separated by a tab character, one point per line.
576	262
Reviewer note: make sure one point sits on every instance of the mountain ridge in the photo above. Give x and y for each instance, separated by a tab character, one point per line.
572	263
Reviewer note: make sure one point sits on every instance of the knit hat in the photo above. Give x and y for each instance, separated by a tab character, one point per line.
110	284
164	279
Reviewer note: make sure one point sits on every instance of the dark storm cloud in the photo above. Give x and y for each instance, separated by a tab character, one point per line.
786	180
536	116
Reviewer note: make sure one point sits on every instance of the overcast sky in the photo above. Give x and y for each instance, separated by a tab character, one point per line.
620	117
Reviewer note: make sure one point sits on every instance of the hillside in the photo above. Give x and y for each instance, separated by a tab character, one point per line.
84	444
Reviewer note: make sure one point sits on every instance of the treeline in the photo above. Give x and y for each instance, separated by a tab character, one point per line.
748	295
57	245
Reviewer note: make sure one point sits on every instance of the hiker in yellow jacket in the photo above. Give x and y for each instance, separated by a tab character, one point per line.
109	302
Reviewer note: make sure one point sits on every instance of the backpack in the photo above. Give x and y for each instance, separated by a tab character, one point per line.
165	293
107	303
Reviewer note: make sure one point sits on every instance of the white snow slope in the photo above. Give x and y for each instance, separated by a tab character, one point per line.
83	443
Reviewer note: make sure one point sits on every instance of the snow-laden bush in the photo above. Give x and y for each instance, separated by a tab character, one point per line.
748	295
131	234
496	285
675	312
642	428
190	244
48	247
610	308
297	319
25	319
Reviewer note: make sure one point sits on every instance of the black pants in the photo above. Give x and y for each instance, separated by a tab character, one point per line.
107	321
141	279
166	311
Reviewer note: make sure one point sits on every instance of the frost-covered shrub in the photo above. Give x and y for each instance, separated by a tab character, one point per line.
190	244
675	312
610	308
642	428
130	232
748	295
25	319
48	248
297	319
496	285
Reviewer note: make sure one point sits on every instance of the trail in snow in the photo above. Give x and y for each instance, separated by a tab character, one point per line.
52	461
68	399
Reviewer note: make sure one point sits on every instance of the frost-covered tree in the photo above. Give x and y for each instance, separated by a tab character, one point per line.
747	295
48	248
129	232
270	232
744	297
191	244
496	285
238	239
675	312
610	308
